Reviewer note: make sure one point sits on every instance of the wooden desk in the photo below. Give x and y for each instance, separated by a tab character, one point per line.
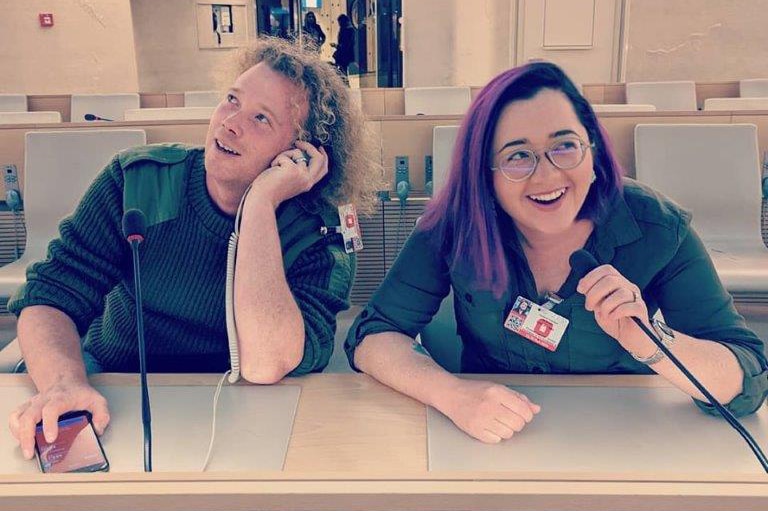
357	445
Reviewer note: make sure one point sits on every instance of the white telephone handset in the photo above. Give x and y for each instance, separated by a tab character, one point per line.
234	352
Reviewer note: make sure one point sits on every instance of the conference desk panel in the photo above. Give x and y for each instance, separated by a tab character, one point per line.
357	445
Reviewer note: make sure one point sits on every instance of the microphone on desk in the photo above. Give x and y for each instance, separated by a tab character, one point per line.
582	262
93	117
134	228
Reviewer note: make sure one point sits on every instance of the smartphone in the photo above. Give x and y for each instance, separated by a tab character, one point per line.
76	449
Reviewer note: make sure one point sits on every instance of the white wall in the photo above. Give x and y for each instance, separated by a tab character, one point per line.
700	40
167	52
89	49
455	42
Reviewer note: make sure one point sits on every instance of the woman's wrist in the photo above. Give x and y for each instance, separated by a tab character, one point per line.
634	340
442	395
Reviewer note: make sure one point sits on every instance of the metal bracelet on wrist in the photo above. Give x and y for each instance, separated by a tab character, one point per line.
667	336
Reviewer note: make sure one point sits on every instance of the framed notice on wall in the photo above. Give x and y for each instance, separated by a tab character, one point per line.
569	24
222	24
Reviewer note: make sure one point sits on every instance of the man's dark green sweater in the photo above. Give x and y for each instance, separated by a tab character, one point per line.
88	273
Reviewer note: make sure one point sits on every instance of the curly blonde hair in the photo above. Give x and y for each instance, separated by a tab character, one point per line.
354	169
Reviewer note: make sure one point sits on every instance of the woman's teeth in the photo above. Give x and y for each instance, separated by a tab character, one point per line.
548	197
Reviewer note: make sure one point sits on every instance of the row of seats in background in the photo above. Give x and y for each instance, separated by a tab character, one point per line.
109	107
713	170
640	97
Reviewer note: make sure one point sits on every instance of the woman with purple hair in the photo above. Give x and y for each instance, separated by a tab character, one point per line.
533	179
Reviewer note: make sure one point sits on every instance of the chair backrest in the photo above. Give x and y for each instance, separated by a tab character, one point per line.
105	106
202	98
169	114
663	95
29	117
443	140
440	339
712	170
13	102
736	104
621	107
58	168
437	100
754	88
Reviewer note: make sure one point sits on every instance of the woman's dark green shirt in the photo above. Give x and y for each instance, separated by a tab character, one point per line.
646	237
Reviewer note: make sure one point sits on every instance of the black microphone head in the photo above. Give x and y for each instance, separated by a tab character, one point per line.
94	117
134	225
582	262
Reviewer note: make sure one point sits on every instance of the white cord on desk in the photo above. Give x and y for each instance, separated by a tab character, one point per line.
213	421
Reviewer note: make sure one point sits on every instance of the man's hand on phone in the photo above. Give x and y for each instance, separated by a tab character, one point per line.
62	397
293	172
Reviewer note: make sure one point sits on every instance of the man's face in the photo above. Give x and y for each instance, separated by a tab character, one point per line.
257	120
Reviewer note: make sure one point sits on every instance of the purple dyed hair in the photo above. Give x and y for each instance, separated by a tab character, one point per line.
462	218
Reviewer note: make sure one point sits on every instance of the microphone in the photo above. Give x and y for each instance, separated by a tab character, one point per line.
582	262
93	117
134	228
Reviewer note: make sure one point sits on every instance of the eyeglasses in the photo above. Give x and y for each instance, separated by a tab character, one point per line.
564	154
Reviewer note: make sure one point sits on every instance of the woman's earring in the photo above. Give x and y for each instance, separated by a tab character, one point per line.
594	177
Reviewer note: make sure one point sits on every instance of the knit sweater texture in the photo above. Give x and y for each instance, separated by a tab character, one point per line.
88	274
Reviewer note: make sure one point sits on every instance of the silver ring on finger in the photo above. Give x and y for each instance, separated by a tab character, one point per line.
300	159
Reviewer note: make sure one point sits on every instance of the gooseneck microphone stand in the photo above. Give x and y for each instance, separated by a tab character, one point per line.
134	227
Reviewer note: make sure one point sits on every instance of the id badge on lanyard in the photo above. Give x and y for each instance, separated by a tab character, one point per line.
537	323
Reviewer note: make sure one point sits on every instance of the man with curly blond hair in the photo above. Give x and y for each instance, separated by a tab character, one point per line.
285	147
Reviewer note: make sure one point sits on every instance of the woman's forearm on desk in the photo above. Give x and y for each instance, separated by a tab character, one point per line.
50	345
398	361
714	365
487	411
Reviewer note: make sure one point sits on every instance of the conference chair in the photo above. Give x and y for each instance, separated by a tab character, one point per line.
170	114
713	170
754	88
58	168
443	140
194	98
437	100
679	96
13	102
102	107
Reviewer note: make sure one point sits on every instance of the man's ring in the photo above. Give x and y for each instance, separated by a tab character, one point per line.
300	159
